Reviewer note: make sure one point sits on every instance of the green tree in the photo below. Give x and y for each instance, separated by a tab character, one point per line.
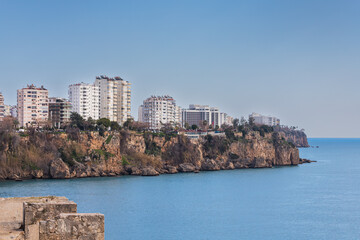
104	121
194	127
76	120
115	126
251	121
235	123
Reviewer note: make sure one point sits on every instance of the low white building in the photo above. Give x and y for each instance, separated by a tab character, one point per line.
196	114
159	110
264	120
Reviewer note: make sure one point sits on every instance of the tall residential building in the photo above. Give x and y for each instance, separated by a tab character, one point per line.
115	98
264	120
2	107
196	114
84	99
32	106
59	111
159	110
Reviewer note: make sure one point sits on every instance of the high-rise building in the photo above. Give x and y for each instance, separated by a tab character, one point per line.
159	110
32	106
264	120
84	99
197	114
59	111
115	98
2	107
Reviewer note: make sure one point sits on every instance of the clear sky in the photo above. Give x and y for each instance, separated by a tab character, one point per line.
297	60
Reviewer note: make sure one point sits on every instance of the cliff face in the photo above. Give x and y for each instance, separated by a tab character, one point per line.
297	137
124	153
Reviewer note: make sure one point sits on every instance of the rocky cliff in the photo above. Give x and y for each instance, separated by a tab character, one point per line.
297	137
123	153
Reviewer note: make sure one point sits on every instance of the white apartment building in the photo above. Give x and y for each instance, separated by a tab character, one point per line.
2	107
84	99
115	98
159	110
196	114
264	120
32	106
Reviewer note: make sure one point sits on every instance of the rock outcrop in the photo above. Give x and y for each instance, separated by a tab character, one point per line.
58	169
130	153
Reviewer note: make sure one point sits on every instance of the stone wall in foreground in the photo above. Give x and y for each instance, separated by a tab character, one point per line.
48	218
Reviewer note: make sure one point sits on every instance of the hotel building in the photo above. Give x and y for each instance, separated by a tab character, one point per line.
196	114
264	120
32	106
159	110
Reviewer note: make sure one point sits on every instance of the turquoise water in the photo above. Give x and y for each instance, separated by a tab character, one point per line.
311	201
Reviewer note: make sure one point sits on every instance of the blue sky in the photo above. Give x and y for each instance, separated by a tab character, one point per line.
298	60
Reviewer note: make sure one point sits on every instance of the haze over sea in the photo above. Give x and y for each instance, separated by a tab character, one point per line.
311	201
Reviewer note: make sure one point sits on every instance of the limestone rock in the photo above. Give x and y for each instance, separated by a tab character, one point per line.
37	174
186	167
58	169
149	171
210	165
171	169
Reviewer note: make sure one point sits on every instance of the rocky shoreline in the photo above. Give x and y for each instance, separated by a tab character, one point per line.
61	171
131	153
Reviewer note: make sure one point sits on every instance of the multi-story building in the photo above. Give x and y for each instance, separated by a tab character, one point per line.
2	107
32	106
13	111
264	120
84	99
59	111
159	110
229	120
197	114
115	98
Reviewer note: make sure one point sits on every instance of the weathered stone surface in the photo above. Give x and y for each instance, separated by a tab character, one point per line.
186	167
132	170
37	174
210	165
58	169
73	226
171	169
149	171
34	212
50	218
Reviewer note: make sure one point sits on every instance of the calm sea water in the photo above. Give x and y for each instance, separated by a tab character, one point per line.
312	201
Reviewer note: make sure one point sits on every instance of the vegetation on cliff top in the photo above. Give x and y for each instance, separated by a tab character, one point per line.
35	149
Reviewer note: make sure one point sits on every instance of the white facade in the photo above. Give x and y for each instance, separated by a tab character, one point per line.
196	114
115	98
264	120
13	111
159	110
32	106
2	107
84	99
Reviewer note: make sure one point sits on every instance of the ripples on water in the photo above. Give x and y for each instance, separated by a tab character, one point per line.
312	201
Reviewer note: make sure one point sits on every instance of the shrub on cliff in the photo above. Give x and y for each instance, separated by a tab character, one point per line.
183	151
213	146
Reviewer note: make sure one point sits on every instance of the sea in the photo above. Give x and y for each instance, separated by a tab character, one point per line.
319	200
